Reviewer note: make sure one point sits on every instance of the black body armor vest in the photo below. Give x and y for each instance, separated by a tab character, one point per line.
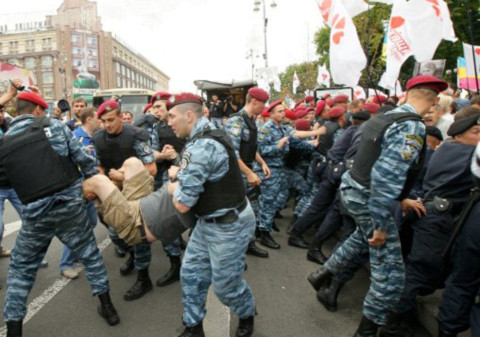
326	140
370	148
113	150
32	167
248	148
228	192
166	136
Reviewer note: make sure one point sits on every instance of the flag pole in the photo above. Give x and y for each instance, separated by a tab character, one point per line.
472	43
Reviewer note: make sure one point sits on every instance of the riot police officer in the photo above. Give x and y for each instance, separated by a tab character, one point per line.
210	183
41	161
113	145
243	131
388	156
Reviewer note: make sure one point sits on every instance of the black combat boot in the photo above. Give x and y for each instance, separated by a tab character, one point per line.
441	334
278	215
142	286
367	328
173	274
296	240
254	250
319	278
396	326
267	240
315	254
14	328
128	266
245	327
328	296
194	331
107	310
275	228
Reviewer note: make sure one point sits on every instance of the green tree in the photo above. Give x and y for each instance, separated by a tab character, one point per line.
370	28
307	73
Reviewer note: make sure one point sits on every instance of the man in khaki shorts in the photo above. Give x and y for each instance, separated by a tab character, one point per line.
136	213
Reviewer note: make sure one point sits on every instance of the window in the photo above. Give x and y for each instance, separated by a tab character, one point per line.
13	46
13	61
117	67
123	70
92	40
47	62
47	77
1	48
29	45
124	82
30	63
119	81
48	93
47	43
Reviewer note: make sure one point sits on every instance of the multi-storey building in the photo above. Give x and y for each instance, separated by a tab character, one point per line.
70	55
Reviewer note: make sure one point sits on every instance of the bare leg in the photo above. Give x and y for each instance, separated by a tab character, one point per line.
98	185
131	167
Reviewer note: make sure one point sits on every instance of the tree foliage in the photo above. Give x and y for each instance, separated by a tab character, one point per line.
371	32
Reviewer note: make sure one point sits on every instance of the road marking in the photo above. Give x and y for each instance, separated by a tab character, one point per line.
38	303
12	227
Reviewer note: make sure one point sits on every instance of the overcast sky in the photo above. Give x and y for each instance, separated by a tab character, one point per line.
201	39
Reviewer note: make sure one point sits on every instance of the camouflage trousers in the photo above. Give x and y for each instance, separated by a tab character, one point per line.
215	256
293	181
386	262
268	200
68	222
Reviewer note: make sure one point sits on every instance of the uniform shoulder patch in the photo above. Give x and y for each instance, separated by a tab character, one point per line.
264	130
411	145
146	148
185	160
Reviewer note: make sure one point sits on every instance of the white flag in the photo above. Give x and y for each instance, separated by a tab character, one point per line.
359	93
398	45
323	76
427	23
295	83
277	84
347	59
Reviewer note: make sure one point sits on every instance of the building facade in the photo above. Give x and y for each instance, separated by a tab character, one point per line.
70	55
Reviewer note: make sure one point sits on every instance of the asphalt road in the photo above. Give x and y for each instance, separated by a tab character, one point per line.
286	303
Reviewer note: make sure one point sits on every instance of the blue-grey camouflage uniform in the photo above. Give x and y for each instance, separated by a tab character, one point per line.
268	138
62	214
216	252
371	210
143	253
237	129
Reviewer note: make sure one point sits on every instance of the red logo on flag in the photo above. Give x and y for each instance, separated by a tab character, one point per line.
397	21
435	6
325	8
339	26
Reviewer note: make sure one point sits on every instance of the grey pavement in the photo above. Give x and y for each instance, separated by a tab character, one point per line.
286	303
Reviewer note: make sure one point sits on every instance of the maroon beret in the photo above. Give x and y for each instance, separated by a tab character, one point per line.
301	112
427	82
379	99
309	109
290	114
341	99
336	112
148	106
299	102
330	102
160	96
259	94
182	98
34	98
107	107
371	107
319	108
302	124
309	98
273	105
265	113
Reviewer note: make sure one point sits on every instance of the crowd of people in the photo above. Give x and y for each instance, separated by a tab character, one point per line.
398	178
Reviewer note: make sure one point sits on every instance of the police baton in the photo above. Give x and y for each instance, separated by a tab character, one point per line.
461	220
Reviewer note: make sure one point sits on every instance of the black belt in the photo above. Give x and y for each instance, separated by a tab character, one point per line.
228	217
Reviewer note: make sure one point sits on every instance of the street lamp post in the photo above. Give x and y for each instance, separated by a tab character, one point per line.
250	55
257	4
